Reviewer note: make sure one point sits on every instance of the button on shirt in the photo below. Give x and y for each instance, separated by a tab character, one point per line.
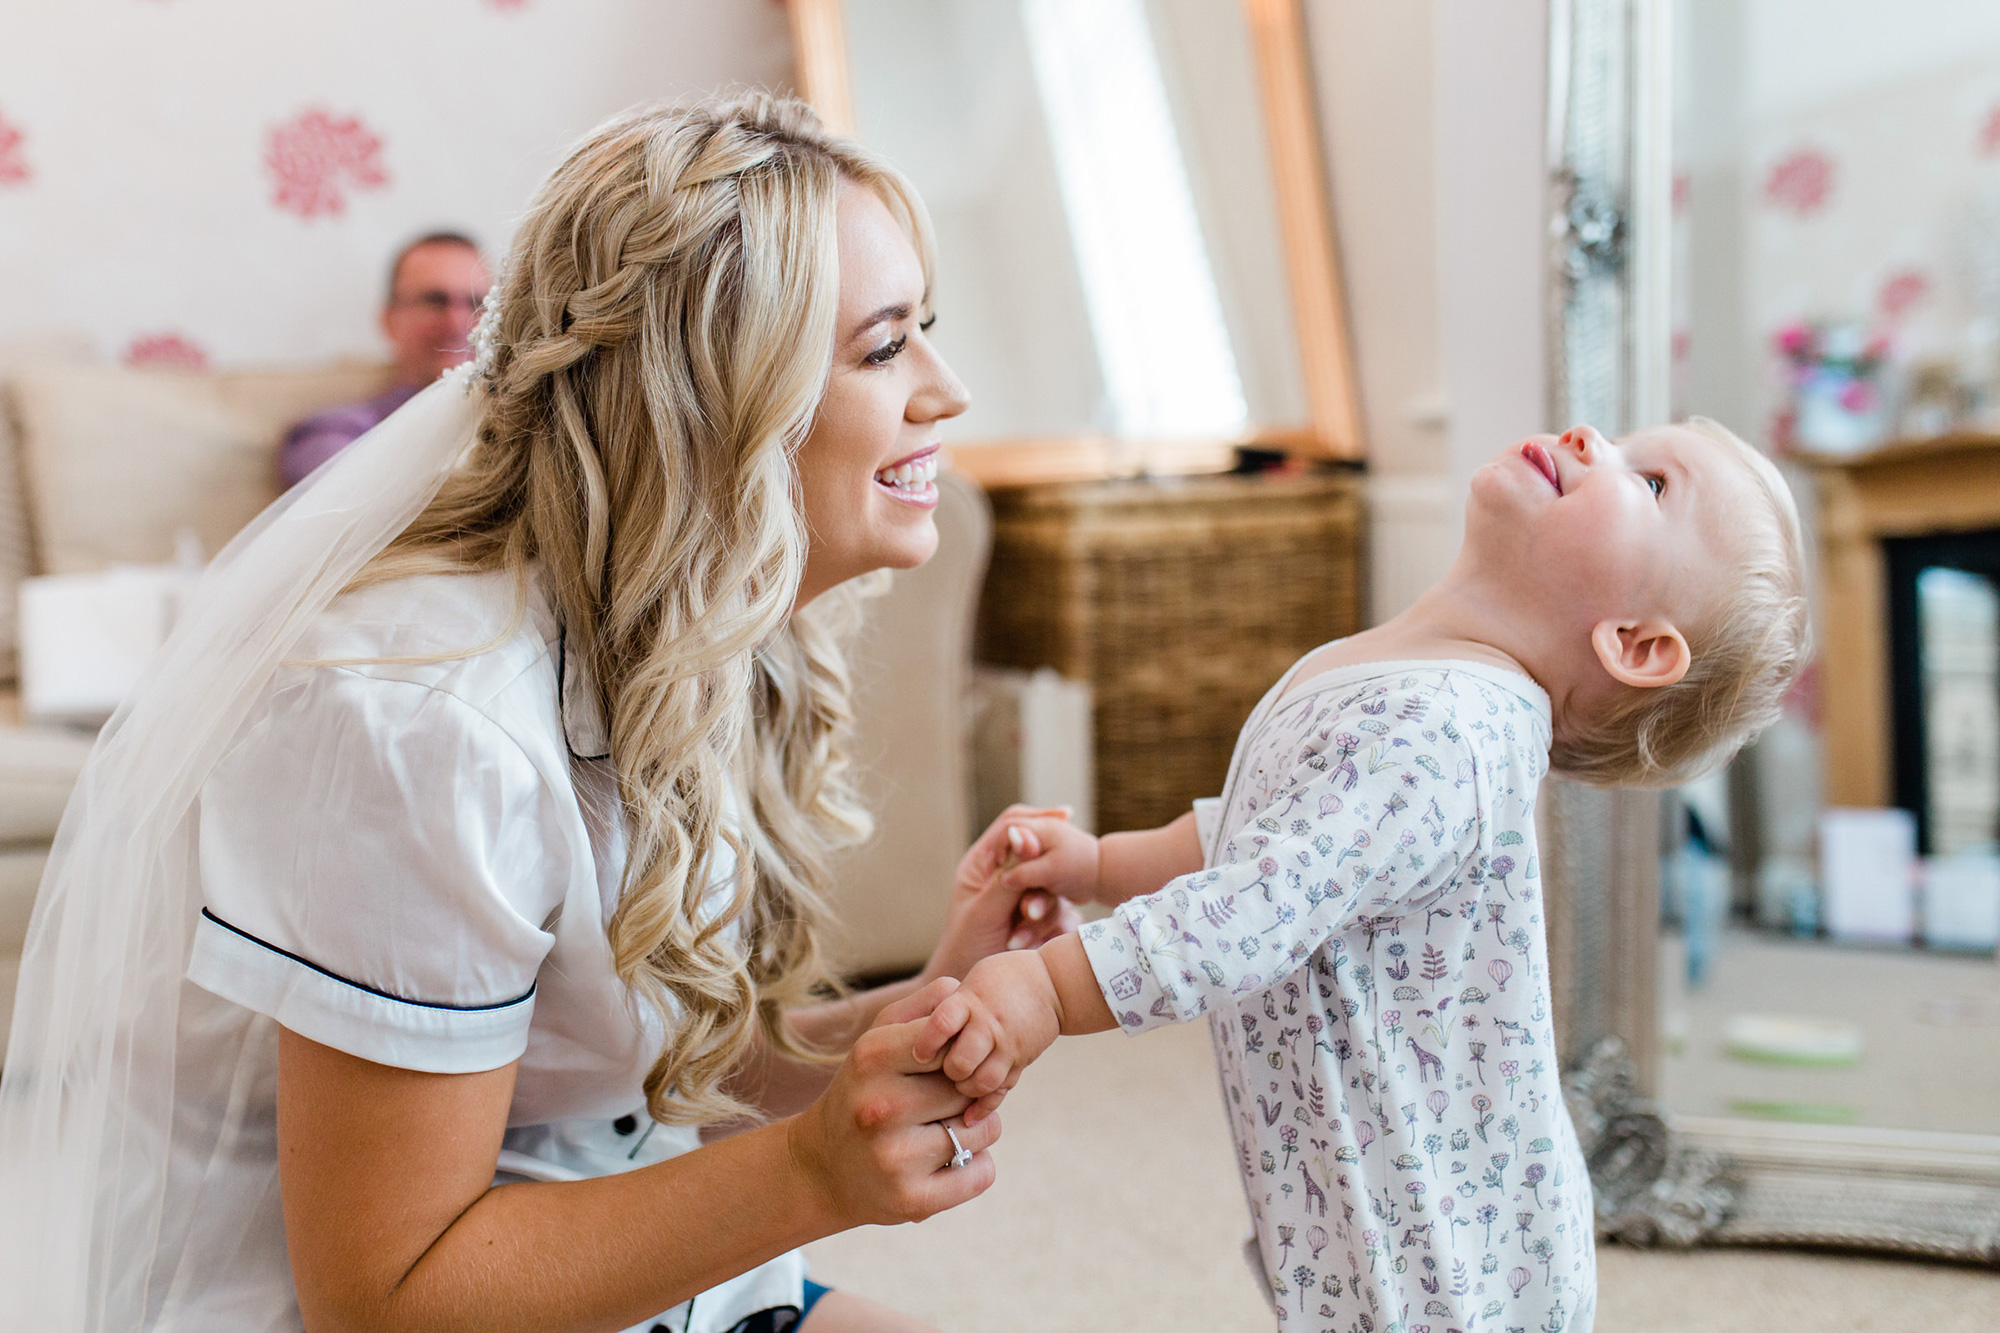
414	861
1367	944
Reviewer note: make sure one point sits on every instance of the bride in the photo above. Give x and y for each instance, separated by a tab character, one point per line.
463	857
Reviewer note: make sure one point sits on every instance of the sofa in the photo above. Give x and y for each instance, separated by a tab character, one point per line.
105	464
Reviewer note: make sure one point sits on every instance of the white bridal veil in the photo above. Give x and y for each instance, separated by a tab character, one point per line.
94	1207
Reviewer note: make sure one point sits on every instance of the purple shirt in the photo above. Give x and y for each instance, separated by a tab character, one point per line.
324	434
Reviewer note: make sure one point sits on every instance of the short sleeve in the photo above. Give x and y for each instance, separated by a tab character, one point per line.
1368	823
380	863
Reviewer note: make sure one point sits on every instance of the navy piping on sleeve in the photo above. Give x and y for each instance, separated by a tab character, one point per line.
522	998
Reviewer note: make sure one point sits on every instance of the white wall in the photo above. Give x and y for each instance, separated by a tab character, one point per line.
1894	100
1810	51
148	208
1432	112
1372	67
1492	96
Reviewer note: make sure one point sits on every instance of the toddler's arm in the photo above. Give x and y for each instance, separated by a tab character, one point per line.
1010	1008
1133	864
1053	854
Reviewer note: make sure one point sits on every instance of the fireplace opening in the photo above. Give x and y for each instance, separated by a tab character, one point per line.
1944	635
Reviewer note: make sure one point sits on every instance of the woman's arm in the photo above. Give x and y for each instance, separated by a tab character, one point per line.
393	1222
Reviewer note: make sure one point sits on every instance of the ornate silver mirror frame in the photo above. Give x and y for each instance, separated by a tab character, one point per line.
1659	1178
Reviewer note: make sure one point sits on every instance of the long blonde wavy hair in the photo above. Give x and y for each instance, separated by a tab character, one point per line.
661	343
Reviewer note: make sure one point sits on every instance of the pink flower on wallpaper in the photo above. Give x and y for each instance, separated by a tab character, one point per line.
1683	190
13	162
170	351
1989	134
507	6
1900	293
1800	181
317	157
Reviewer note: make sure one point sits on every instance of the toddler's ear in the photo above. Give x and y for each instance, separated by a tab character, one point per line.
1642	653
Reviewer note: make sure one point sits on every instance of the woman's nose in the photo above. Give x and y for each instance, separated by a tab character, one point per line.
943	397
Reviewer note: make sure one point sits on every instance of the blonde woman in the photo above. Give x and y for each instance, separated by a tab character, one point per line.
464	857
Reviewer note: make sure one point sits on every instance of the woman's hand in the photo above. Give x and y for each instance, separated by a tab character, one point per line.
986	914
872	1143
1051	856
999	1020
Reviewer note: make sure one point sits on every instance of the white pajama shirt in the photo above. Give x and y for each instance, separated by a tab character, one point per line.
1366	941
415	863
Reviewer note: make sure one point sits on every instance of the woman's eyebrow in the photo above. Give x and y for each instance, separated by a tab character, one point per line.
888	314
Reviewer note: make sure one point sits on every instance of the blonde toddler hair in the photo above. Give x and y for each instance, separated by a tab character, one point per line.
1745	656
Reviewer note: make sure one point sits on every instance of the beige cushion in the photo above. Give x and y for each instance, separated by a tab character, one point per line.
16	561
117	460
20	876
912	670
38	768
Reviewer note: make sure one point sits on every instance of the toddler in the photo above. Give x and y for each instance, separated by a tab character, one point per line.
1359	914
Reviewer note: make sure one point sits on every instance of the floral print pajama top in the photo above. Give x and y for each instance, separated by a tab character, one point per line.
1367	944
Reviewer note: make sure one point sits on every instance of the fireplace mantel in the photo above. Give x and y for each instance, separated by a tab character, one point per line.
1911	488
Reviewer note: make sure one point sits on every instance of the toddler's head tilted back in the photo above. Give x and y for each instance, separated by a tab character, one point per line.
1746	648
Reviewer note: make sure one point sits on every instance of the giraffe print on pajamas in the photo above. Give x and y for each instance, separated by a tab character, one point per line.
1366	931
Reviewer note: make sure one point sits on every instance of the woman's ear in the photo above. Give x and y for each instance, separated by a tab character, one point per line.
1642	653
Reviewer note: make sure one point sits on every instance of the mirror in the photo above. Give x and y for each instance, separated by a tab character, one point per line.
1819	229
1838	236
1131	261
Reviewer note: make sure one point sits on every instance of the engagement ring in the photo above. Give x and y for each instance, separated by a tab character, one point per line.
959	1155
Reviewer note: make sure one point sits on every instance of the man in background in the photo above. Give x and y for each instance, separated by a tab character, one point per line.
436	285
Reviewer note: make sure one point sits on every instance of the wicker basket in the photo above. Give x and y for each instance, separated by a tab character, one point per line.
1179	602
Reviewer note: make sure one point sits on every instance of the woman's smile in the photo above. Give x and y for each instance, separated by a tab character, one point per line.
912	479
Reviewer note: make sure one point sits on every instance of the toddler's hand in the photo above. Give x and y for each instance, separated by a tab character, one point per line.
1038	916
1038	850
993	1026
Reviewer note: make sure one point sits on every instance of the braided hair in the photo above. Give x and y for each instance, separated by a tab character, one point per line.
659	348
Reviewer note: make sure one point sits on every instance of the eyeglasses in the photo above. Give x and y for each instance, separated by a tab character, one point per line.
442	303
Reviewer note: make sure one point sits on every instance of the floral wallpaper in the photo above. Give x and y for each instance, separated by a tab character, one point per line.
316	159
13	160
222	182
1866	212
